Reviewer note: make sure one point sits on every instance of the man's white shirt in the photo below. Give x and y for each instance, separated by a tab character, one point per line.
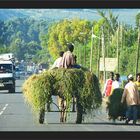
57	63
116	84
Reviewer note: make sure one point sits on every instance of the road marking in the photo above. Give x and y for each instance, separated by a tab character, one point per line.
1	112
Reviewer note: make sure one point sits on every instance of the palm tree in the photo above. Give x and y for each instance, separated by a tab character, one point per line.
110	21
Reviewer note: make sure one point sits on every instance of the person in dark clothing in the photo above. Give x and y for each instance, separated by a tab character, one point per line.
76	65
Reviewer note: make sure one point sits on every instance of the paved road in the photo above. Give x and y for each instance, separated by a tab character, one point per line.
16	115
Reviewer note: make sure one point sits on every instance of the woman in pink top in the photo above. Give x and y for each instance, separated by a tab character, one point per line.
108	85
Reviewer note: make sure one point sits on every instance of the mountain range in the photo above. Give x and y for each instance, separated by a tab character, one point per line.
124	15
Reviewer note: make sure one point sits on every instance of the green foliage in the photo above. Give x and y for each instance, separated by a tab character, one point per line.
22	36
109	22
66	31
43	39
127	60
91	95
4	49
66	83
138	19
37	90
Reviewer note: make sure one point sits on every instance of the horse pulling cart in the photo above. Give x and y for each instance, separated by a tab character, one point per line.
79	112
69	84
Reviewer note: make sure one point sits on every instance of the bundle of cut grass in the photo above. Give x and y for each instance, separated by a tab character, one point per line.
37	89
66	83
114	106
90	96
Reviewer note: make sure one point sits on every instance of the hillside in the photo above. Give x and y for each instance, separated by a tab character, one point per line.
125	15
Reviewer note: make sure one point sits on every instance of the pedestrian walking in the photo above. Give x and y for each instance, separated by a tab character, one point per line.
116	83
76	65
131	96
108	85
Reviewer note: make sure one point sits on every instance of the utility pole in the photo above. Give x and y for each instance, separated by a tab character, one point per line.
118	48
103	55
108	44
138	48
85	51
121	30
81	62
77	49
91	51
98	60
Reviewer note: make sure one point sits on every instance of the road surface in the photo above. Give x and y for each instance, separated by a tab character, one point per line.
16	115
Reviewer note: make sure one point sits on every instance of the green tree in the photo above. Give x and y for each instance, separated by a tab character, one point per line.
137	19
18	48
65	31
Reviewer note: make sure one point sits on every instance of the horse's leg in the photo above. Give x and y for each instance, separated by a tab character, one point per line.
60	104
42	115
49	103
48	107
73	103
79	111
64	111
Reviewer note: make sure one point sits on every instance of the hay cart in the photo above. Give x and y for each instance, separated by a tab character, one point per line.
66	83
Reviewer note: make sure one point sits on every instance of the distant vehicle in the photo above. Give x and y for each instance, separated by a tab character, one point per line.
28	73
22	73
17	73
22	70
40	70
7	56
7	73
